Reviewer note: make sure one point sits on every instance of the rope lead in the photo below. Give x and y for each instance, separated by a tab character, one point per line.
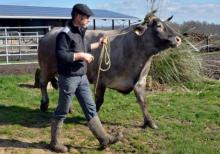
103	65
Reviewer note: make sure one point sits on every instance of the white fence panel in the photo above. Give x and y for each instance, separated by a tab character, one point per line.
18	45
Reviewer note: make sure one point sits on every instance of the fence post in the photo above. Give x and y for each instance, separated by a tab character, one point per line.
49	28
19	43
207	43
37	40
6	45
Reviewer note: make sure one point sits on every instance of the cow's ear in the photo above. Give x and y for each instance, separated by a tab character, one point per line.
139	30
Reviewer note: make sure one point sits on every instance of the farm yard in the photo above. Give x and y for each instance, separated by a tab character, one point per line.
187	115
186	111
182	90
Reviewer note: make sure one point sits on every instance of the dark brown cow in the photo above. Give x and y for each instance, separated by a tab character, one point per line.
131	53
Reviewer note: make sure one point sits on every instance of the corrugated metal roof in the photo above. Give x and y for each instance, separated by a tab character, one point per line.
35	12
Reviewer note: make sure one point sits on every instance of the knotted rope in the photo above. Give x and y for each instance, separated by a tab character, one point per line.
105	53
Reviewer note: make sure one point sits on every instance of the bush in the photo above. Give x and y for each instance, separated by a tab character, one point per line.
176	65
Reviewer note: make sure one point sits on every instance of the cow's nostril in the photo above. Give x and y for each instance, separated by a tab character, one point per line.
178	39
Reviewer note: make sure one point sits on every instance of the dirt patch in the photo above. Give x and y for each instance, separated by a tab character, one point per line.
30	85
211	64
8	146
16	69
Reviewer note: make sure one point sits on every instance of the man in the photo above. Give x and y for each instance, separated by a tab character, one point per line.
72	58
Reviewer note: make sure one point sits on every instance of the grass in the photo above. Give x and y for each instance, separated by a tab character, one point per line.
188	120
176	65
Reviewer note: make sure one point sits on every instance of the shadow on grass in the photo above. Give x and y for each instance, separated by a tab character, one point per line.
20	144
26	85
125	125
32	118
40	145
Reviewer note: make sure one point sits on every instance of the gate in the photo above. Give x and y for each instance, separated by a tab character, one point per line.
18	45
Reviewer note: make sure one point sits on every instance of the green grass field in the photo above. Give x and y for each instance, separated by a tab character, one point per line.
188	116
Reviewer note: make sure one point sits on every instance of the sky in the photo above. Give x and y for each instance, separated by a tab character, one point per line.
183	10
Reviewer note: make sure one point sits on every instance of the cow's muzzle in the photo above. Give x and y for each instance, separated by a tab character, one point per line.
178	41
175	41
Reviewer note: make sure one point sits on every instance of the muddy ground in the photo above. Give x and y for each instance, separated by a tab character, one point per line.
17	69
211	64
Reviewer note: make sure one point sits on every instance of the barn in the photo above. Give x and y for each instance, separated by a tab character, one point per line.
13	15
21	28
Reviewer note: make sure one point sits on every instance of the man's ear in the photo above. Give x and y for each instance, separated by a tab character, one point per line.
139	30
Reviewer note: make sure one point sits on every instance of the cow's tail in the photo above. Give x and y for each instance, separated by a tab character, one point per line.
54	83
37	78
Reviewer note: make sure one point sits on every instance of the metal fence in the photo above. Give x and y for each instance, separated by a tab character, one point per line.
18	45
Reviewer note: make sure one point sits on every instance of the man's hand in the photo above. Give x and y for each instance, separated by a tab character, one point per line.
83	56
87	57
103	40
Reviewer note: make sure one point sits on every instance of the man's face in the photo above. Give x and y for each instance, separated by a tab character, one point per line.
83	20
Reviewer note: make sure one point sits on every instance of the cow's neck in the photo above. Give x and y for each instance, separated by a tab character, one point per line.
138	49
137	55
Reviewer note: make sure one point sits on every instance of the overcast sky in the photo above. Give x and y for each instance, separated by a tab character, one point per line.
183	10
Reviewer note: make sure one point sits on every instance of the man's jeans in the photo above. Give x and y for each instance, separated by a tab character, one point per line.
78	85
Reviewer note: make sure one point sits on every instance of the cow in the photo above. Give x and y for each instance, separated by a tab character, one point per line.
131	52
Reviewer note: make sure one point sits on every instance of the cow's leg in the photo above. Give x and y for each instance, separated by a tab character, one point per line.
140	95
99	96
44	79
139	90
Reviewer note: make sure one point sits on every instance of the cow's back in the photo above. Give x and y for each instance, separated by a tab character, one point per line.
46	52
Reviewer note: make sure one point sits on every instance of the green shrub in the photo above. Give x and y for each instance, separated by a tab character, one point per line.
176	65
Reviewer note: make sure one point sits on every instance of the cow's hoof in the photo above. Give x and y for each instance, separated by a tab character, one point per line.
152	125
44	107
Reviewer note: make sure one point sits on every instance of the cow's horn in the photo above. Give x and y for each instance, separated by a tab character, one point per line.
169	18
149	17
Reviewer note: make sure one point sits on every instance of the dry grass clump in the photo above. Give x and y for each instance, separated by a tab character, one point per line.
176	65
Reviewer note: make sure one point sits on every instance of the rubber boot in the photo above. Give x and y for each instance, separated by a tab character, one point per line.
55	133
99	132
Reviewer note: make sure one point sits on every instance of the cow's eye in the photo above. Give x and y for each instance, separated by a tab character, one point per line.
159	26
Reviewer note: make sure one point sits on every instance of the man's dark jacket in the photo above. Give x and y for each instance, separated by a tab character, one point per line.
71	40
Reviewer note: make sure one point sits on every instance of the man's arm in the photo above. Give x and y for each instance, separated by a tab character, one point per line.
102	40
83	56
62	47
